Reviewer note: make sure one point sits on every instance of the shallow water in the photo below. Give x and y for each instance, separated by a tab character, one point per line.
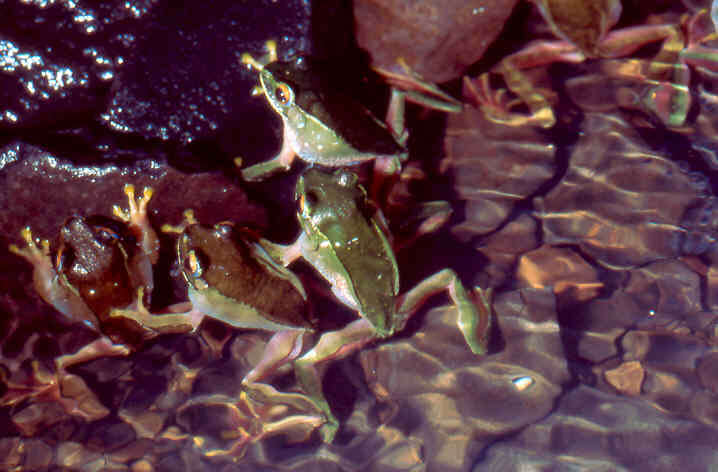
597	236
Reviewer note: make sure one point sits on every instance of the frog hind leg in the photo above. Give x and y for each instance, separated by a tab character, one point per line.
474	311
332	345
138	221
498	107
176	321
283	346
425	218
101	347
279	163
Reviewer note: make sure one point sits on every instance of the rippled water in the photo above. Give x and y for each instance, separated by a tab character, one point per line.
597	235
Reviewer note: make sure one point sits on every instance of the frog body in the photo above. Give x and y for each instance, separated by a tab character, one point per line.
100	265
343	241
95	261
233	279
324	124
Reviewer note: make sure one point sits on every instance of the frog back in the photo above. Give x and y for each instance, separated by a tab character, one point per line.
356	257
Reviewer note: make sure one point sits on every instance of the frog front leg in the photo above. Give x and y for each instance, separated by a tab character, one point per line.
140	266
182	317
407	85
137	220
282	162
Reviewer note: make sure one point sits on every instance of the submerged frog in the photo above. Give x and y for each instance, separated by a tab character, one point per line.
231	277
347	242
324	125
585	29
99	267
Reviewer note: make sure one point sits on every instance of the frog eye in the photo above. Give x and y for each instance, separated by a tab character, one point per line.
346	178
224	229
308	200
283	94
106	235
193	265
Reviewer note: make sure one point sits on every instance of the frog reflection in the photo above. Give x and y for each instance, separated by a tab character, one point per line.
585	29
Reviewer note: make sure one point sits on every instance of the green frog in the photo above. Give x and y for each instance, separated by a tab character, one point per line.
324	125
347	241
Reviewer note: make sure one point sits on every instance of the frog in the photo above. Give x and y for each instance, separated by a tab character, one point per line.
100	265
585	32
324	125
345	238
232	278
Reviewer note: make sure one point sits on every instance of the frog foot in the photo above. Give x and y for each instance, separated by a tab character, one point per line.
69	390
269	57
136	218
36	252
417	89
188	218
137	213
268	407
497	106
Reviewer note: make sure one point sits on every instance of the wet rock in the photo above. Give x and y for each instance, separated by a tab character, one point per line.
598	431
667	286
669	391
148	58
503	248
456	405
35	179
74	455
438	40
665	349
704	408
626	378
110	435
707	371
59	59
619	201
38	454
167	89
37	416
494	167
562	270
11	452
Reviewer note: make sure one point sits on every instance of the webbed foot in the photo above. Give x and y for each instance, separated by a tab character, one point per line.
36	251
136	218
